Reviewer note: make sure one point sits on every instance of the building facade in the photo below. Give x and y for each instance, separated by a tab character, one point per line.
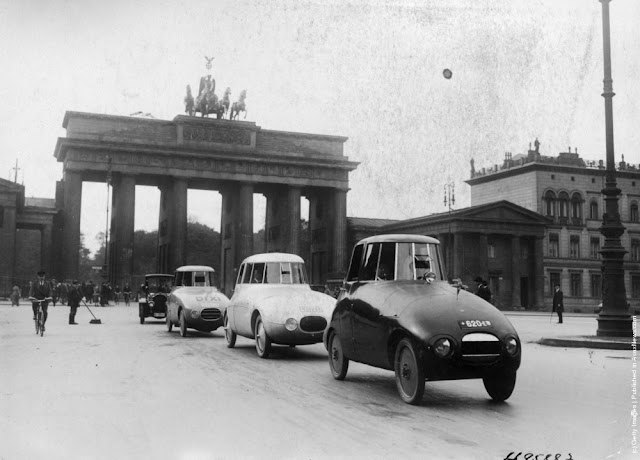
567	191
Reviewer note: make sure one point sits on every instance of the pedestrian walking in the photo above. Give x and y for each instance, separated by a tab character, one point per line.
127	294
74	297
558	303
16	293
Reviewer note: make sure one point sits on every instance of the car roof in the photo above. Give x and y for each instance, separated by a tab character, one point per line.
273	257
399	238
157	275
195	268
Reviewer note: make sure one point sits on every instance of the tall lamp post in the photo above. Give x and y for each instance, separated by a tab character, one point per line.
614	319
449	201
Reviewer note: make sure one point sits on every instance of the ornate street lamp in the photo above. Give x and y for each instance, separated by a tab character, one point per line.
449	201
614	319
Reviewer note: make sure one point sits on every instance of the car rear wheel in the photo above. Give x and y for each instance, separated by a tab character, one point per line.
183	324
500	385
169	323
229	334
338	363
409	372
263	343
141	314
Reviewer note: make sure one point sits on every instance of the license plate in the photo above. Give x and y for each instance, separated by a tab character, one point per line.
158	315
473	323
310	309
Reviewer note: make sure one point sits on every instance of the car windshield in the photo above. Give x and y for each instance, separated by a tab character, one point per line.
285	273
159	284
195	278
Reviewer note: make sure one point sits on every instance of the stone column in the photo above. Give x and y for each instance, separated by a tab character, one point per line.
245	233
71	217
339	249
228	238
483	250
122	225
538	261
515	272
46	243
8	247
458	255
177	224
293	221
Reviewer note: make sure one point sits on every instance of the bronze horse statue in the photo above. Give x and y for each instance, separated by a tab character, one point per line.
207	101
226	101
239	106
189	103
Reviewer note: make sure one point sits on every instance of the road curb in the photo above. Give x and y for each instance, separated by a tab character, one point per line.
613	343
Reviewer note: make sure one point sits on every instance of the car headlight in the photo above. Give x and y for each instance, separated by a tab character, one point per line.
291	324
151	303
195	314
511	345
442	347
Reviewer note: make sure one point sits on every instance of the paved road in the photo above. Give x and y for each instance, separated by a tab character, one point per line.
124	390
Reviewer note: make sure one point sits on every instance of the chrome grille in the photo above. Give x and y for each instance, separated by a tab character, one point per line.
313	323
211	314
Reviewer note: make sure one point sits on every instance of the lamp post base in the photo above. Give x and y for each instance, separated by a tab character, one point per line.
614	326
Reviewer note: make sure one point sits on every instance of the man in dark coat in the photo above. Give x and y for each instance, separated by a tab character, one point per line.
483	290
74	296
558	303
40	290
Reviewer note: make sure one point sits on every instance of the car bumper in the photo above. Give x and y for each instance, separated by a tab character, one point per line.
281	335
204	325
456	368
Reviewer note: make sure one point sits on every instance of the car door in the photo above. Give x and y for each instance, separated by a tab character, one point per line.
231	308
243	306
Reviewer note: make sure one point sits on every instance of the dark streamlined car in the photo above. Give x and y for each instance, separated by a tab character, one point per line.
398	312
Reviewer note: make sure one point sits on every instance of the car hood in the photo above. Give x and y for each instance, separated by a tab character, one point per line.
200	297
427	309
292	300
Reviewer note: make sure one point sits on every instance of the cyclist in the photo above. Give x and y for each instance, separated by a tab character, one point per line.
40	290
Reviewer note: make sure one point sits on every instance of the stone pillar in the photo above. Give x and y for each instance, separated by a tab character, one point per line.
339	249
46	243
293	221
275	220
228	239
122	227
71	217
458	255
515	272
483	250
538	263
162	255
8	246
177	224
245	230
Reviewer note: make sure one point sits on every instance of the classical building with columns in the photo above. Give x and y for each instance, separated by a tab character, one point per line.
235	158
566	190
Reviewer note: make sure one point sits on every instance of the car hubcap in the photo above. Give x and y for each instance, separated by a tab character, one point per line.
406	371
260	336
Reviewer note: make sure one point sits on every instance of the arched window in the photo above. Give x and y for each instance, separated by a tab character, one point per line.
576	208
563	204
633	212
593	210
550	203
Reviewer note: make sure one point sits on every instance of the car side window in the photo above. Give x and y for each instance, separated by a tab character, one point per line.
354	266
273	273
258	273
386	267
246	277
370	264
240	273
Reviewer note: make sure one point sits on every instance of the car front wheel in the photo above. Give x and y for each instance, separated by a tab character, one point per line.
228	333
500	385
183	324
141	314
338	363
263	343
409	372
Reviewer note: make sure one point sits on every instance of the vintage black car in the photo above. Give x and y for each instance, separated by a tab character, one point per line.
397	311
153	300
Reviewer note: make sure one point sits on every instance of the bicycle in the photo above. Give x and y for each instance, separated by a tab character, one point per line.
40	314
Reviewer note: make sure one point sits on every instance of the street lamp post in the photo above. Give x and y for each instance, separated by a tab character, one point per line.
614	319
449	201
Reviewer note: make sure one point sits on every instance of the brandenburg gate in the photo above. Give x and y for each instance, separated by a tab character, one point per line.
235	158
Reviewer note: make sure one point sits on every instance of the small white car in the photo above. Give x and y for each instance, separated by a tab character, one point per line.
274	304
194	302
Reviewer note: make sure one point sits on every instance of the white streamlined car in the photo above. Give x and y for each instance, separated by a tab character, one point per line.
194	302
273	303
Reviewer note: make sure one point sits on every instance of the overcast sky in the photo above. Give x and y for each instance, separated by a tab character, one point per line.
368	70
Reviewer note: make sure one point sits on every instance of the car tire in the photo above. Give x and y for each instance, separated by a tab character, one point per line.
500	385
169	324
409	372
141	314
338	363
229	335
263	342
183	324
